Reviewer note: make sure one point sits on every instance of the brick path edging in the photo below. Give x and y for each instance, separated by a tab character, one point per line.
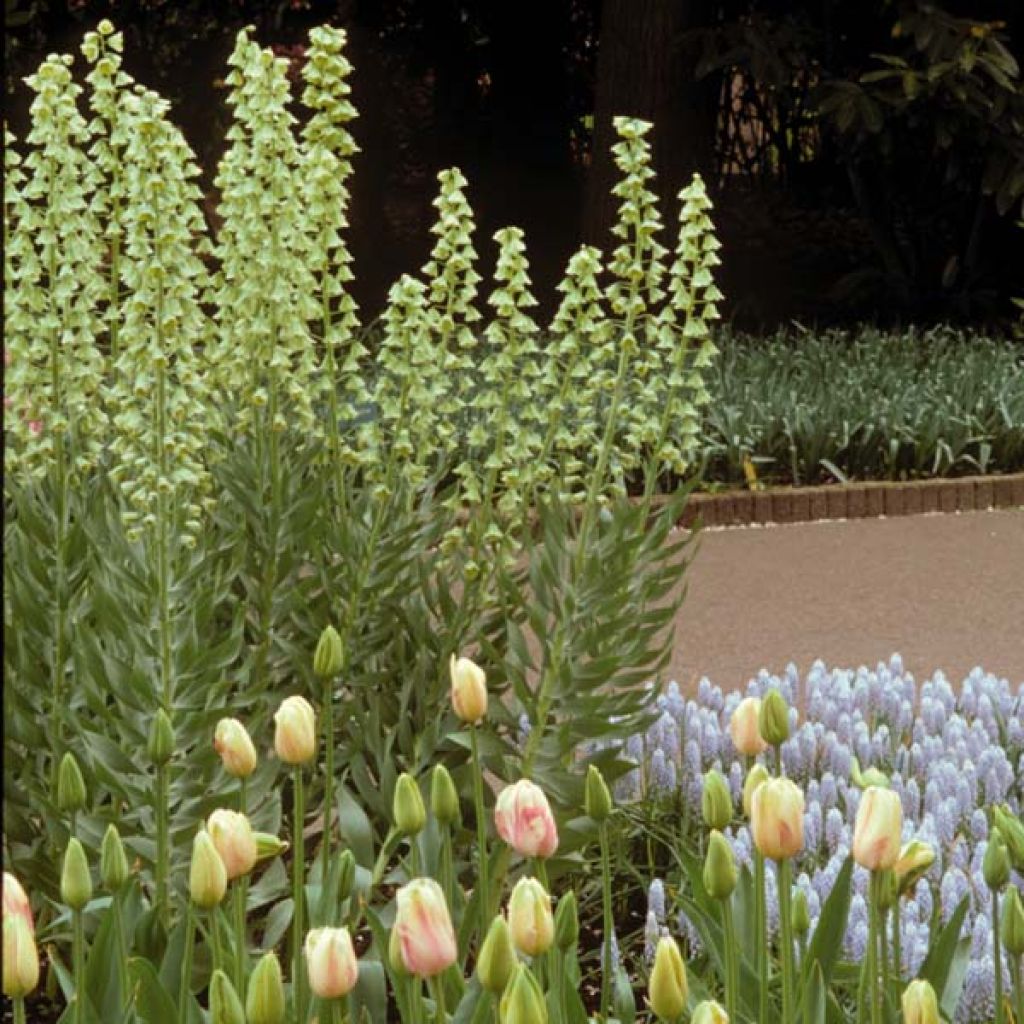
855	501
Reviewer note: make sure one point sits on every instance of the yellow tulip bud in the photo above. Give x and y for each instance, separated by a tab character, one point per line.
264	1002
232	742
777	819
878	830
233	836
744	728
530	919
667	989
225	1006
21	958
709	1012
523	1001
915	858
497	959
919	1003
755	777
469	690
295	731
331	962
207	878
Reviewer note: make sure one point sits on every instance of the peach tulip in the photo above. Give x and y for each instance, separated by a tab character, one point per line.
295	732
233	837
15	902
426	938
523	818
232	742
469	690
878	831
777	819
21	958
331	962
744	728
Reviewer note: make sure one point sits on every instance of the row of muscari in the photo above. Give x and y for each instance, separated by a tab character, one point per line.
947	754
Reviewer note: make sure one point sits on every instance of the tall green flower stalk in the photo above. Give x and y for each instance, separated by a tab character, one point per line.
785	888
300	985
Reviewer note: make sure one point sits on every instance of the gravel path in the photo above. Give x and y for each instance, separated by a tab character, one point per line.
945	591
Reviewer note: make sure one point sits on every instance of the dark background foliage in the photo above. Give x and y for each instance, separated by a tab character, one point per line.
866	160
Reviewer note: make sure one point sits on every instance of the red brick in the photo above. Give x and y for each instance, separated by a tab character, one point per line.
1017	489
913	499
930	490
965	495
836	502
875	499
893	499
801	504
856	501
742	507
983	496
1002	491
782	506
762	507
948	496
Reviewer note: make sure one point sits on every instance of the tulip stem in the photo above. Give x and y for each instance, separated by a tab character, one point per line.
484	902
606	903
997	956
1018	987
185	983
440	1012
760	926
19	1010
883	945
786	921
731	966
325	851
117	908
241	953
897	941
218	957
162	850
78	958
876	995
298	893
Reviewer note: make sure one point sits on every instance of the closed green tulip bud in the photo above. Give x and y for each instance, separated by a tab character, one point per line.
870	777
444	798
597	800
567	922
225	1006
755	777
409	812
774	721
801	913
888	889
919	1003
995	867
329	657
716	801
268	845
113	862
719	867
1013	835
667	988
161	739
709	1012
1011	928
346	874
75	880
497	959
523	1001
208	878
623	1000
916	857
71	795
264	1003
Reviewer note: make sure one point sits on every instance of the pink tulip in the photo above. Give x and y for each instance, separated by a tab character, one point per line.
233	837
15	902
426	937
331	962
524	820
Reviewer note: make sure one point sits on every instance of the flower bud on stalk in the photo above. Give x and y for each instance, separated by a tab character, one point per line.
295	731
161	739
331	962
269	845
444	798
777	819
497	959
233	743
1011	929
719	867
801	913
919	1003
716	801
773	723
744	728
426	937
523	1001
21	958
755	777
113	862
915	858
75	880
529	917
407	807
597	799
709	1012
523	818
233	837
264	1002
469	690
567	922
878	830
623	1000
225	1006
346	874
667	988
869	777
207	877
15	901
329	657
995	866
1012	832
71	794
888	889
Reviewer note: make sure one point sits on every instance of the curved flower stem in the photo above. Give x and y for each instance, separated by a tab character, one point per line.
298	894
731	966
997	956
78	962
876	995
609	924
760	927
185	982
786	920
484	903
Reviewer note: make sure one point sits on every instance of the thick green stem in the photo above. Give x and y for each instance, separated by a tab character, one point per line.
185	981
786	920
298	895
218	954
328	813
876	995
761	929
883	946
117	909
997	956
731	966
897	942
161	811
1018	987
19	1010
609	923
484	903
78	963
241	952
440	1012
